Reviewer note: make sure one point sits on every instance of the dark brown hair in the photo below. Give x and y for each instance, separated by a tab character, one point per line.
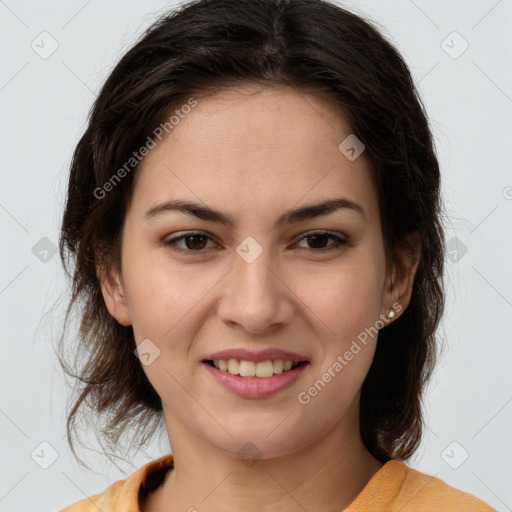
209	45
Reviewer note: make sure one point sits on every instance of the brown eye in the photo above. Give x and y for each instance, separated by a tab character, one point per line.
192	242
317	241
195	241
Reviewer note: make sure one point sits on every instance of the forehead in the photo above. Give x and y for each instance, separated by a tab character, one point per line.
257	146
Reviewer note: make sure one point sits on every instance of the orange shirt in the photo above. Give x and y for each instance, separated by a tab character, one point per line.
395	487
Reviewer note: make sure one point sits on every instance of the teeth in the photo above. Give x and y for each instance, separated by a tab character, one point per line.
251	369
233	366
278	366
264	369
247	369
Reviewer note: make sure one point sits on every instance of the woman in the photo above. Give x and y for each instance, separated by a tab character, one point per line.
253	229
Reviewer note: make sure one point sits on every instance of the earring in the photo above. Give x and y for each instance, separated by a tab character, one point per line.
121	319
391	313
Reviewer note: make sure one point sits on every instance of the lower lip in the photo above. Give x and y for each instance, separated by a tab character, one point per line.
256	387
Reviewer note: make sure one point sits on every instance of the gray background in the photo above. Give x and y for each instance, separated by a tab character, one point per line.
44	103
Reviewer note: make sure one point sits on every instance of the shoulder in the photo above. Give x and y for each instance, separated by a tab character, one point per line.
123	495
421	490
397	486
101	502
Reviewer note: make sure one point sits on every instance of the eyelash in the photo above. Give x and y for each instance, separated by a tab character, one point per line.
171	243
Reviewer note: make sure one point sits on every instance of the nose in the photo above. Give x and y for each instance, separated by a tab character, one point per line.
255	295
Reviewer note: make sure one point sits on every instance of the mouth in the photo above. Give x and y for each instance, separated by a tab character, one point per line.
256	379
261	369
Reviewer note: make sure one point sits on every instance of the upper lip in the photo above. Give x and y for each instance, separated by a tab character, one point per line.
272	354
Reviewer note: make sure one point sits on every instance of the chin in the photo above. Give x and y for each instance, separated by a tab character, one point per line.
251	445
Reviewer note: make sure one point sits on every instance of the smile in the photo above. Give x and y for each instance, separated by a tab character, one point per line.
253	386
263	369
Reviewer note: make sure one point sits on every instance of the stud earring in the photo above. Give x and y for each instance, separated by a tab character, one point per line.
391	313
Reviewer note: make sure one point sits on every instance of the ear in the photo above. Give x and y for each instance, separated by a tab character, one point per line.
113	292
401	273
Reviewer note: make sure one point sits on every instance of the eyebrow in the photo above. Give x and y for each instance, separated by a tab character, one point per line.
302	213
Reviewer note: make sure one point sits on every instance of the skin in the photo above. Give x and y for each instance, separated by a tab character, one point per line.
265	150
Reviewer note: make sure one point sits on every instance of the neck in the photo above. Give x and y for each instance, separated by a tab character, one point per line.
327	475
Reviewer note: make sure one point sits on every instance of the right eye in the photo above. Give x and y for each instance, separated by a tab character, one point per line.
194	243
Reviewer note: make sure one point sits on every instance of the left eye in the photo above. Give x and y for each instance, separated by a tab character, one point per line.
319	237
195	242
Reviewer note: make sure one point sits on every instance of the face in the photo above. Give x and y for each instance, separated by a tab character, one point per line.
253	281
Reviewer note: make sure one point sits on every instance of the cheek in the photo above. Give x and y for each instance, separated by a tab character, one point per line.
345	297
155	296
347	307
168	303
165	308
160	301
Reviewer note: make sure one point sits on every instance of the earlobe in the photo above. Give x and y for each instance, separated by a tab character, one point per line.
400	284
